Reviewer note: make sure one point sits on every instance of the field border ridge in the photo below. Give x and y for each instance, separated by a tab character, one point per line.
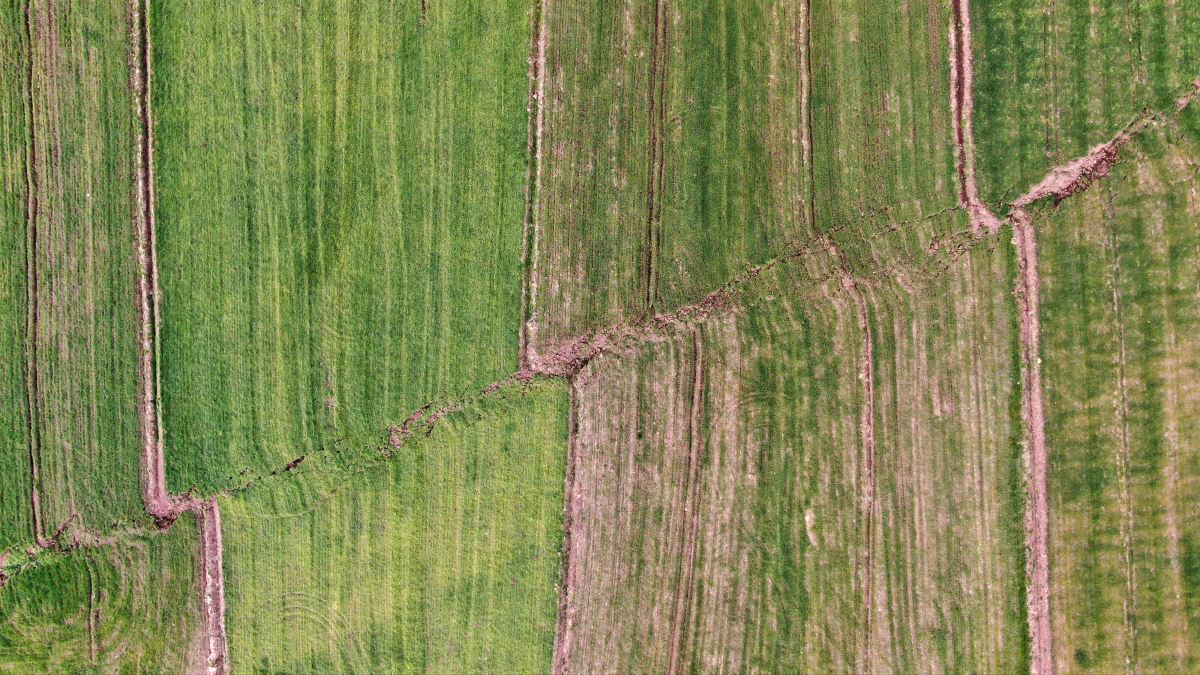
32	387
530	234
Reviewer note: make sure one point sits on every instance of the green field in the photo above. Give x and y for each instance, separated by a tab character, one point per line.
70	401
637	336
341	204
16	524
1121	270
1051	82
443	558
128	607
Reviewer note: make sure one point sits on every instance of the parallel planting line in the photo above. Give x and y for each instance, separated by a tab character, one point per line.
866	481
657	123
1124	457
691	507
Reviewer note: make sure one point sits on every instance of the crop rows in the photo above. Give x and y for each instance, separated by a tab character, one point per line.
640	336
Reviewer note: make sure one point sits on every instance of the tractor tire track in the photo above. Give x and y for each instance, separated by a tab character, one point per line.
691	512
33	393
656	123
533	183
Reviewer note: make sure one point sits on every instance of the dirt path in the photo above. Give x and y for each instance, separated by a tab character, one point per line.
154	490
962	106
212	587
1037	510
533	182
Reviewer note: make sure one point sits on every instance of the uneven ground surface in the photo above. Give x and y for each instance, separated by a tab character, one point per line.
122	605
599	336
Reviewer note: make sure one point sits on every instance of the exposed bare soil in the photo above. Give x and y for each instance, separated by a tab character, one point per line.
962	105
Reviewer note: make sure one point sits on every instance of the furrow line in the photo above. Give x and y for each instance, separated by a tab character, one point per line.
564	632
804	46
1124	458
33	393
533	181
691	509
656	123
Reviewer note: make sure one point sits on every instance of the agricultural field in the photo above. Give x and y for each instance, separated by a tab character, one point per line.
124	605
71	392
453	543
583	336
1121	276
345	240
786	495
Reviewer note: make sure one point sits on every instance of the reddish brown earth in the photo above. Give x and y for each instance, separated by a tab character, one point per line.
212	587
1037	512
962	105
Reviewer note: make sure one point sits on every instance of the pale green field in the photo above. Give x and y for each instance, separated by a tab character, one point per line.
443	558
1121	270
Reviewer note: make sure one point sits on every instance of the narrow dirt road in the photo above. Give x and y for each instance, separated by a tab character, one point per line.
962	106
212	587
1037	510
